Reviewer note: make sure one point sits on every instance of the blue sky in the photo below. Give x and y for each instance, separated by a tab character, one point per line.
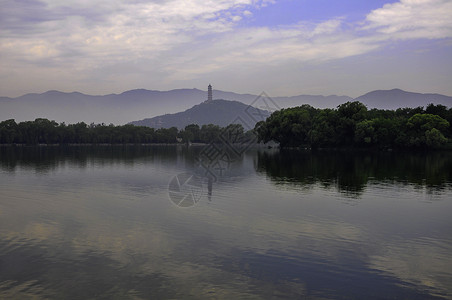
293	11
282	47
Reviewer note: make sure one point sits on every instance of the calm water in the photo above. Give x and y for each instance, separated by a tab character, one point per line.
86	222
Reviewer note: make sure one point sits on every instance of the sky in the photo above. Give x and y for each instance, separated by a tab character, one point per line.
282	47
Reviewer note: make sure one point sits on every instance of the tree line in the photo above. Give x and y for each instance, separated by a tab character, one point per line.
349	125
44	131
353	125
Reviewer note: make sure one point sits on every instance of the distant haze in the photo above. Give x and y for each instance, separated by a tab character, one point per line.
141	104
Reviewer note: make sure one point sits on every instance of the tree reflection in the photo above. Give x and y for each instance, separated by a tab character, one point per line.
43	159
351	171
348	171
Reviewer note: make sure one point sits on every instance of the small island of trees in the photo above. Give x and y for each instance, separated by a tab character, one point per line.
353	125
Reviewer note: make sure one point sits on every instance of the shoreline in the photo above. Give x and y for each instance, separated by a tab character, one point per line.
256	146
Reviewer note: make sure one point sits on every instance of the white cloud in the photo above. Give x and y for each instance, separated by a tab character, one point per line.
247	13
410	19
137	28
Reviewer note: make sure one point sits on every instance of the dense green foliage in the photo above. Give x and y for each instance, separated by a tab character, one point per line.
353	125
43	131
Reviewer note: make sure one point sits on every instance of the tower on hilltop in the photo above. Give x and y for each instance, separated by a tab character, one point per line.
209	93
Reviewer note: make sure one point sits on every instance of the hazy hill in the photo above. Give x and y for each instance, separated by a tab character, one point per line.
318	101
218	112
139	104
113	108
396	98
130	105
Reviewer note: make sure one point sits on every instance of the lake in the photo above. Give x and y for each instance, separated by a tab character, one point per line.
141	222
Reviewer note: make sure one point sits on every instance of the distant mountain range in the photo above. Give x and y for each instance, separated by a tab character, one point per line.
141	104
114	108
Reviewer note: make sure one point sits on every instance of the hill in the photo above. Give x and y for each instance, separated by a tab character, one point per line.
114	108
140	104
218	112
130	105
396	98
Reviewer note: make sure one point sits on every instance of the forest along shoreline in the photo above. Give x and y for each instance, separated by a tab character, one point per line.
349	126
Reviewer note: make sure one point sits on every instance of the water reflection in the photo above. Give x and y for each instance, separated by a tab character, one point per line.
46	159
88	222
352	171
348	171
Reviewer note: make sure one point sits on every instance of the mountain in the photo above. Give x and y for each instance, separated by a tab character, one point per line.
130	105
221	112
140	104
318	101
396	98
114	108
218	112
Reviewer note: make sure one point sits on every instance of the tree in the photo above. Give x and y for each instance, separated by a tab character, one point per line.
439	110
427	121
434	138
351	124
289	127
364	133
426	126
191	133
323	132
352	110
209	133
349	114
8	131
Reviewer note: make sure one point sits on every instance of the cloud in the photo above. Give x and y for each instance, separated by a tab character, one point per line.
39	30
253	48
410	19
167	40
402	260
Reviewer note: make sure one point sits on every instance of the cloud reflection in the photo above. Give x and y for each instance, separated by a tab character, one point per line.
251	240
